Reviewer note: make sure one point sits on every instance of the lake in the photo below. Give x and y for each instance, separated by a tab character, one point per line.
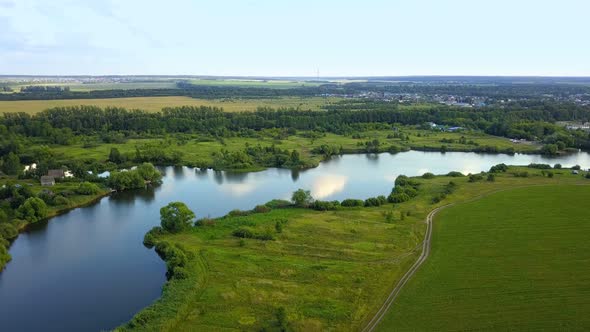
87	270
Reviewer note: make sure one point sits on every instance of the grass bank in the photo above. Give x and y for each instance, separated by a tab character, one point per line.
328	270
196	150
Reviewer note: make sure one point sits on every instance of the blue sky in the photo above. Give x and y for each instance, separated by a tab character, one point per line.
295	37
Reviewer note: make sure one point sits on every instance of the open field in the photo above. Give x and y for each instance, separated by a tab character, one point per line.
197	151
246	83
515	260
155	104
102	86
332	270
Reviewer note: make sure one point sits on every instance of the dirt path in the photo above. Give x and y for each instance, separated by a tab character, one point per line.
402	282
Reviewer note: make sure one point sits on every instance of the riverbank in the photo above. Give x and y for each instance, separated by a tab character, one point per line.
312	147
74	201
313	273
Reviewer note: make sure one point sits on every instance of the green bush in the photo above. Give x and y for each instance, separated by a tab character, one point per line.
32	210
500	168
352	202
398	198
428	175
87	188
455	174
262	209
60	200
8	231
325	205
278	204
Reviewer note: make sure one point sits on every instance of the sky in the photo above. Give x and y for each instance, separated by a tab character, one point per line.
295	37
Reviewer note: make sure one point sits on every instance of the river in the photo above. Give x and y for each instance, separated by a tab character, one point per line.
87	270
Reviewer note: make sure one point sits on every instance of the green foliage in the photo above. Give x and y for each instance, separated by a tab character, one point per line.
87	188
11	164
549	149
149	173
176	217
126	180
278	204
33	210
557	166
115	156
262	209
4	257
428	176
539	166
455	174
248	233
302	198
475	178
500	168
352	202
491	177
8	231
325	205
375	201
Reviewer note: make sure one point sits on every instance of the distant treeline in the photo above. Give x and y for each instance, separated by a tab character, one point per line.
514	122
505	91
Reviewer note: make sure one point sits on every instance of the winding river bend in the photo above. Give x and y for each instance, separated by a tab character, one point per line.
87	270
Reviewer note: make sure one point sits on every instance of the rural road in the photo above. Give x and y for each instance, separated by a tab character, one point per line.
402	282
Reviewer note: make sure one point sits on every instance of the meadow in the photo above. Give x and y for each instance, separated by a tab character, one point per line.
515	260
332	270
155	104
197	150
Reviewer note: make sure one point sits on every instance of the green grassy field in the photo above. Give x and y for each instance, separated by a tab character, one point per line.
155	104
516	260
247	83
333	270
196	151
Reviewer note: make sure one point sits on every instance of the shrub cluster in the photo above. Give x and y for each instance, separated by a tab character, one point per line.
455	174
375	201
404	190
500	168
175	257
325	205
475	177
352	202
248	233
448	189
540	166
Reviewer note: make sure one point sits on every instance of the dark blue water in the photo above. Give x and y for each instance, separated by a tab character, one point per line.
87	270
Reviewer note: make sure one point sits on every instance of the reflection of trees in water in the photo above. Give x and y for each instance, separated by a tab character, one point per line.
295	175
218	177
123	198
373	158
201	172
235	177
178	172
128	197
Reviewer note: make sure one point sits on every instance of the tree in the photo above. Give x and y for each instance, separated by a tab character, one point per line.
149	173
176	217
302	198
11	165
8	231
87	188
115	156
32	210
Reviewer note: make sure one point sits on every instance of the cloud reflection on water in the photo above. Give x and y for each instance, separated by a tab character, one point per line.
327	185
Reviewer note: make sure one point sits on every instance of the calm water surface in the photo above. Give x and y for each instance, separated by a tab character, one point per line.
87	270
